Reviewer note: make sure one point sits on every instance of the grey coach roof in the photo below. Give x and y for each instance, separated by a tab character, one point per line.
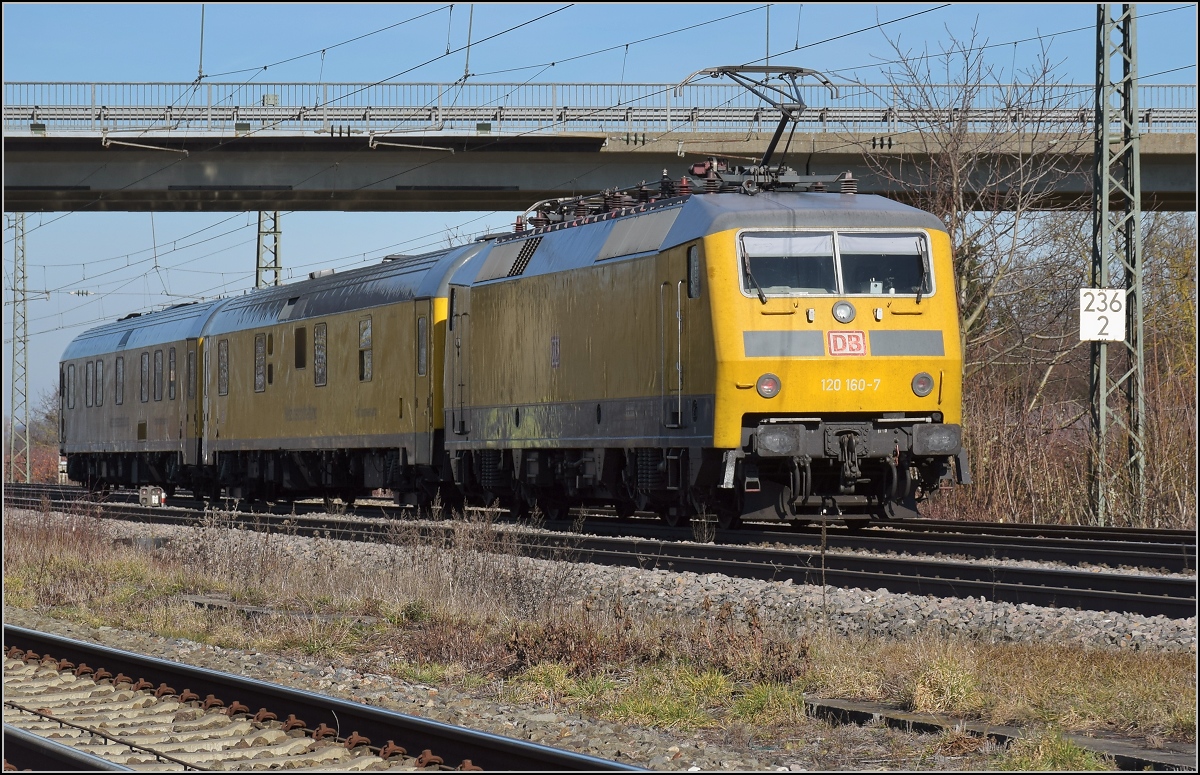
396	279
153	328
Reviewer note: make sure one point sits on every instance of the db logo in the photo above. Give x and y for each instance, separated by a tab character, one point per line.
847	343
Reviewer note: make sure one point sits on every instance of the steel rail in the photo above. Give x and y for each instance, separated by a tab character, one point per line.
484	749
1173	597
1148	595
1149	534
933	529
27	751
1173	553
1167	556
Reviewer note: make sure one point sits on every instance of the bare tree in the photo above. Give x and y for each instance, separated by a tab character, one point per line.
990	159
987	157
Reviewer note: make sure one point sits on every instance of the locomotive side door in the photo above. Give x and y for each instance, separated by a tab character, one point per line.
671	293
457	394
193	419
203	399
422	417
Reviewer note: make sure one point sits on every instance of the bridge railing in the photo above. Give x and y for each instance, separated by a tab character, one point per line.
499	108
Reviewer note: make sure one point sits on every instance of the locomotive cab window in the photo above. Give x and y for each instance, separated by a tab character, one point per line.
788	263
884	263
849	263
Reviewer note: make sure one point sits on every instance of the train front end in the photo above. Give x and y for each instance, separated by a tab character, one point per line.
839	362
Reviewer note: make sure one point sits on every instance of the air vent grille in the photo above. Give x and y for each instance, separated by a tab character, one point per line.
527	251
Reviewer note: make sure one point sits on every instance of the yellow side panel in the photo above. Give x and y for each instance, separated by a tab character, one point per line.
596	333
292	406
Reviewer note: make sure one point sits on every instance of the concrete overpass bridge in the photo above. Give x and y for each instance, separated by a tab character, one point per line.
435	147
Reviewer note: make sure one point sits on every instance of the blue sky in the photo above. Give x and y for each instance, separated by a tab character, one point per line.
46	42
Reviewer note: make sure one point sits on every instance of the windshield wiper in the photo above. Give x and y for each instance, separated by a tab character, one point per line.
749	274
921	282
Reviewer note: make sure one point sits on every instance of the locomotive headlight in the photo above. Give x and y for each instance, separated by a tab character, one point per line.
843	312
768	386
922	384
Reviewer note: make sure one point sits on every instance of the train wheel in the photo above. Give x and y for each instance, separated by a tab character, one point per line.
515	505
674	516
98	489
553	508
728	519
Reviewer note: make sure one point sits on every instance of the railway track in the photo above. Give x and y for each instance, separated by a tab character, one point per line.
917	571
1186	539
85	703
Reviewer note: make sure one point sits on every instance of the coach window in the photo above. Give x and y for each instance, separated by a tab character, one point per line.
89	380
119	381
158	375
364	350
260	363
422	347
223	367
191	374
171	374
71	386
100	382
320	338
145	377
301	336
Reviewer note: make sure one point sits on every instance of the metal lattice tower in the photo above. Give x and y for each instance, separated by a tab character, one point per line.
19	439
1117	245
268	250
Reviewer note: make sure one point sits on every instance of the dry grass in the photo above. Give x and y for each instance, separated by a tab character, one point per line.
462	608
1049	750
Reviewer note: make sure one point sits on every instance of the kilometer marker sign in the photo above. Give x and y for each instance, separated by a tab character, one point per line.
1102	314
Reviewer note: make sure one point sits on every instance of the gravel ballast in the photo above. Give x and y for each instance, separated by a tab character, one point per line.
845	611
848	611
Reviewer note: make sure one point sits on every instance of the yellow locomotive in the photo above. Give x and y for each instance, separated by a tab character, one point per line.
784	355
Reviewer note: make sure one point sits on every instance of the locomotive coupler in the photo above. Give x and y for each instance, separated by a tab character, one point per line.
848	456
801	480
